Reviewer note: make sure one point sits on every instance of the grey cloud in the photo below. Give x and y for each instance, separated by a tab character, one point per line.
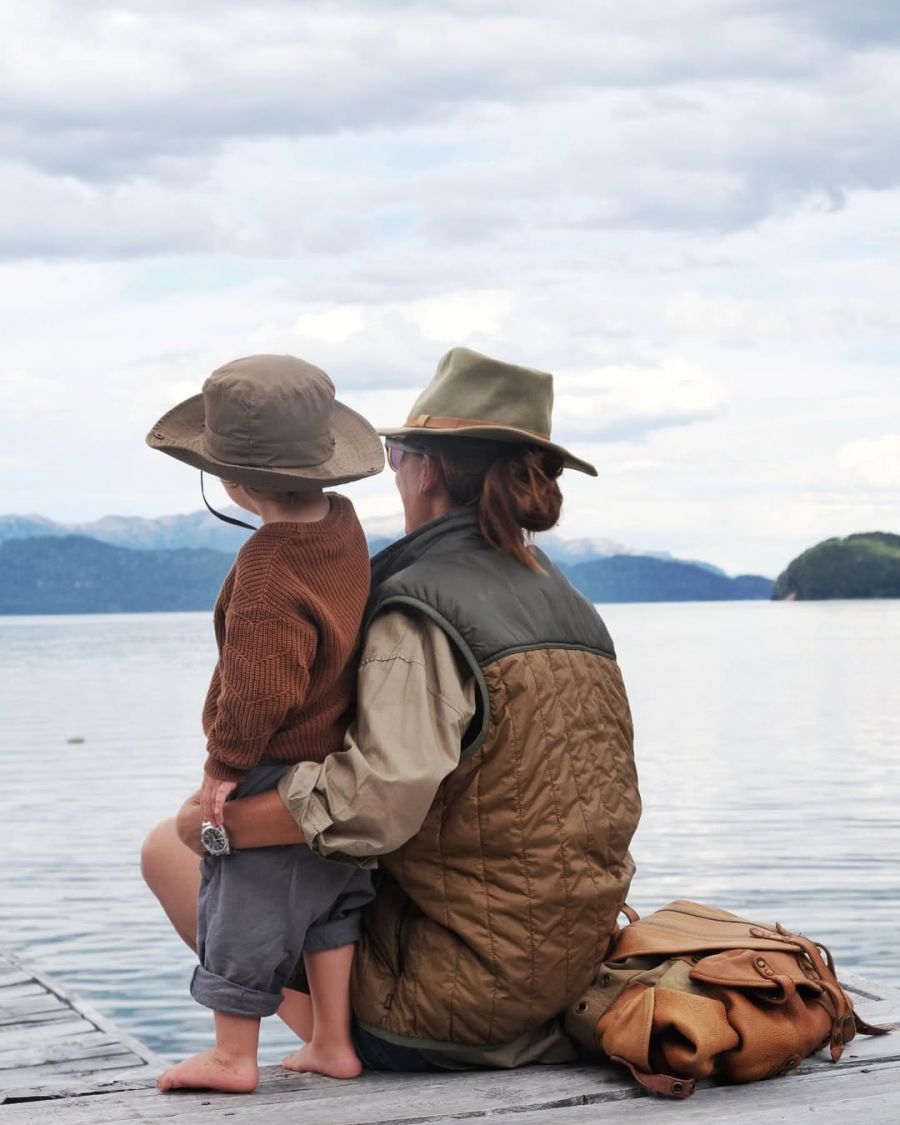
45	216
486	124
468	222
187	81
634	428
869	23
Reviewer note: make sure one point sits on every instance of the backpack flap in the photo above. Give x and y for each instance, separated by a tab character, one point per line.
779	1013
685	927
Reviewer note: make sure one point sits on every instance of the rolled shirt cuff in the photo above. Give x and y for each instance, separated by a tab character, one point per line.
297	790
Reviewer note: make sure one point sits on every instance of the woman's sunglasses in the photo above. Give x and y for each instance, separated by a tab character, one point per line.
395	451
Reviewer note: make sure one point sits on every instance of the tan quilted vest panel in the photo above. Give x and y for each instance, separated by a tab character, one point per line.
498	912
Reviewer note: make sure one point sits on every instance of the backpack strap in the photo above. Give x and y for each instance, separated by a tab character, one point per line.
844	1019
664	1084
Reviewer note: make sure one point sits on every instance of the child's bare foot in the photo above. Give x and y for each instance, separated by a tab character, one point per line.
212	1070
338	1062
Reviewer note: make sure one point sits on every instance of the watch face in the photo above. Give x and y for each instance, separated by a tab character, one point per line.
214	839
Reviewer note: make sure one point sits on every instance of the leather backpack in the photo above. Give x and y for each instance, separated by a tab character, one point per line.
693	992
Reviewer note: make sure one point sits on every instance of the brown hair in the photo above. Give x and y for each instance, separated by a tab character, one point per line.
513	488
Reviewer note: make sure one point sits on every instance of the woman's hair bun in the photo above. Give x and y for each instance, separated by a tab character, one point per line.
513	488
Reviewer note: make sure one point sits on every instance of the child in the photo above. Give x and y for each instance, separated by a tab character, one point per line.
287	624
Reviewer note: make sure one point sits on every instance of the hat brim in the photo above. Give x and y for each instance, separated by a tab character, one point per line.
357	452
495	433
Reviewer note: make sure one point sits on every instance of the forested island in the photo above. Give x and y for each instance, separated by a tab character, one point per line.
866	565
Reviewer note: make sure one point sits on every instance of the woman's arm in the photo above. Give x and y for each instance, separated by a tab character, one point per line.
252	822
414	705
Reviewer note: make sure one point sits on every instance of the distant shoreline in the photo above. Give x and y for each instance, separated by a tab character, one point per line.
75	574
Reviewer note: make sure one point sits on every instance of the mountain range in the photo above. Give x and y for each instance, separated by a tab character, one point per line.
124	564
202	529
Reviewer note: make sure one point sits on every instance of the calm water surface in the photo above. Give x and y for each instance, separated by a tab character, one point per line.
768	741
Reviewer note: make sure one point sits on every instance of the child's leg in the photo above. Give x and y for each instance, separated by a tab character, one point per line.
248	940
328	958
230	1066
331	1050
296	1011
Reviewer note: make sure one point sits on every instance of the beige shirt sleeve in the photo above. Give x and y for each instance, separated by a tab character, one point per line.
413	707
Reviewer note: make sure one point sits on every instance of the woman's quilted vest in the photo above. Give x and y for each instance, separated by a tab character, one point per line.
495	916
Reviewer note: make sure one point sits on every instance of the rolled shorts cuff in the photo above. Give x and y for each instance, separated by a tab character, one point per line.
333	934
223	995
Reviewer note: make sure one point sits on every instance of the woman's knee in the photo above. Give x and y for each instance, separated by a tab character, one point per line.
156	855
171	871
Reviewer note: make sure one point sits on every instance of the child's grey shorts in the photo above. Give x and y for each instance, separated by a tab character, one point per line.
260	908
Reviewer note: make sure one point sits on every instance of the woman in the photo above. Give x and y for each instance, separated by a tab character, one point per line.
490	769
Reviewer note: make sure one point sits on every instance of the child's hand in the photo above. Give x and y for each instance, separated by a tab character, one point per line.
212	798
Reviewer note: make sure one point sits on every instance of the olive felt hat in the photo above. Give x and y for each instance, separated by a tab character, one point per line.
472	395
270	422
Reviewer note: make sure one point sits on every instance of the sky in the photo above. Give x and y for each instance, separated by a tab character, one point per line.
688	212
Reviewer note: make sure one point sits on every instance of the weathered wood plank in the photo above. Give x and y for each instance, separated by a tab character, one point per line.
52	1015
12	979
863	986
51	1039
83	1045
869	1096
67	1061
374	1097
569	1095
57	1024
30	1006
29	1077
22	993
864	1098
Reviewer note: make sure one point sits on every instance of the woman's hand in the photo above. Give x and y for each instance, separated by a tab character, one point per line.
213	794
187	824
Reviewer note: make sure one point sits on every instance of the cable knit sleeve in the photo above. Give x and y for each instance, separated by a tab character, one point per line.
264	664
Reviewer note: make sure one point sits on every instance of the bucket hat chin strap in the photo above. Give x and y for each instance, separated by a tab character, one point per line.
221	516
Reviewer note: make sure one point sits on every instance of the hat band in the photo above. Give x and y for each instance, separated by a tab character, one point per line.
433	422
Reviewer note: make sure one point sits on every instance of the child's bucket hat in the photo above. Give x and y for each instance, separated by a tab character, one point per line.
270	422
474	396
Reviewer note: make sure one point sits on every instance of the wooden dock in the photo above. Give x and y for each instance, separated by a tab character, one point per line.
51	1041
63	1064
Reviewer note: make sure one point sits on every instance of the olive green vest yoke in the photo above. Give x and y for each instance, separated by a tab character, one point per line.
497	913
489	603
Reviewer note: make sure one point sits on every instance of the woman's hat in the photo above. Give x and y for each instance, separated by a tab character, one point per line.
472	395
270	421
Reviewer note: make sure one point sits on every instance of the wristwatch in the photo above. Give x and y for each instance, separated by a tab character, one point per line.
214	838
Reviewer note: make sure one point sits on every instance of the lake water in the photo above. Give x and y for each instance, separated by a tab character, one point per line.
768	743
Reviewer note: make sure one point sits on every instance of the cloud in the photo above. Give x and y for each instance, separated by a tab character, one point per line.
615	403
25	397
55	216
866	22
685	211
873	461
300	69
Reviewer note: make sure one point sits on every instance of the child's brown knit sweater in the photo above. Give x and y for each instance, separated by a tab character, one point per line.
287	621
